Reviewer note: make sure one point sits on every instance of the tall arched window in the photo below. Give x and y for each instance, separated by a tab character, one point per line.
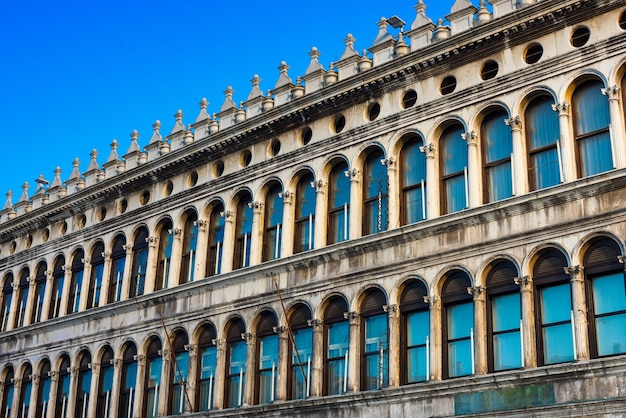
272	233
216	241
84	385
606	298
453	166
8	392
179	370
413	181
236	350
553	309
63	388
105	384
95	278
25	391
267	358
118	262
76	282
542	135
7	298
414	334
152	384
336	343
304	234
504	316
497	145
126	406
301	354
338	204
40	292
375	193
374	341
164	254
190	239
458	325
58	278
591	117
243	232
140	263
22	299
207	358
43	390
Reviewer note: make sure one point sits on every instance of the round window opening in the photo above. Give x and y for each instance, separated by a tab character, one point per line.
81	220
373	111
63	228
409	99
533	53
580	36
144	198
122	206
622	20
12	247
448	85
246	158
306	135
29	240
168	189
102	213
45	235
339	123
192	179
218	168
274	148
489	70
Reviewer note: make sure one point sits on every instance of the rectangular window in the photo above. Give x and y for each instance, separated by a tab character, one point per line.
418	329
460	319
337	355
556	307
609	299
505	315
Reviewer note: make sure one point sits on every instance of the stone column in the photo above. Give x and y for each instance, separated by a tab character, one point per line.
287	224
248	390
579	307
392	190
93	390
17	389
31	302
529	339
14	304
394	344
356	204
106	279
201	249
566	144
153	243
73	394
173	278
84	287
32	411
354	358
220	374
140	384
116	388
47	296
54	388
67	282
617	128
519	163
256	237
165	392
229	241
128	271
436	343
321	214
432	183
480	329
283	363
317	366
474	170
192	377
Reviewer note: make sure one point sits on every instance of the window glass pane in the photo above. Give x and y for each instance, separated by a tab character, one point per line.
208	362
183	367
591	108
155	372
336	376
416	361
413	163
338	339
542	123
455	194
131	375
376	371
460	320
413	205
500	181
556	305
304	343
375	333
453	151
596	154
558	346
497	136
507	351
545	166
611	334
609	293
418	327
268	351
506	312
459	358
340	187
237	357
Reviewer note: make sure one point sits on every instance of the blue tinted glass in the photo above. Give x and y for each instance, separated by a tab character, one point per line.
336	376
376	370
460	320
154	370
453	150
497	137
596	154
182	359
245	221
507	351
459	358
304	343
556	304
558	345
217	221
506	312
209	362
131	375
500	181
418	327
413	163
237	357
376	333
306	197
591	108
339	187
27	392
416	362
455	194
268	356
77	289
86	382
338	339
542	123
609	293
274	208
45	390
107	380
545	166
375	177
414	204
611	334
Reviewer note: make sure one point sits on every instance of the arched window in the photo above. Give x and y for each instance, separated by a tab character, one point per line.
606	298
190	239
375	193
504	316
542	135
267	358
63	388
95	278
497	142
415	333
236	351
272	233
337	343
76	282
40	292
43	390
338	204
413	181
25	391
305	214
105	384
22	299
243	232
458	325
374	341
7	297
83	385
126	406
453	166
300	354
164	254
140	263
7	395
553	309
179	370
58	278
207	358
590	111
152	384
216	241
118	261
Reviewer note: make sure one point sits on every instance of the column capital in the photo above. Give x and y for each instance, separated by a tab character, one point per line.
574	271
433	301
353	174
353	317
612	93
117	362
177	232
477	291
280	330
470	137
85	260
562	108
286	196
524	282
515	123
389	162
202	224
49	275
31	281
53	375
152	241
319	186
192	349
140	359
228	215
73	371
106	255
429	150
250	337
392	310
164	353
315	323
219	343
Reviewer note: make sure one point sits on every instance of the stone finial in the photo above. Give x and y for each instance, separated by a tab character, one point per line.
8	205
383	35
42	183
365	62
24	197
441	32
188	137
75	171
228	101
156	132
57	178
256	90
349	51
134	142
314	65
113	155
401	48
178	124
203	115
420	18
283	78
93	163
483	15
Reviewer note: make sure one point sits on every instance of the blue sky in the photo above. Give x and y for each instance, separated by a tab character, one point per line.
77	74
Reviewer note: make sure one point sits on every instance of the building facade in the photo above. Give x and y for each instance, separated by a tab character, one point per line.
435	228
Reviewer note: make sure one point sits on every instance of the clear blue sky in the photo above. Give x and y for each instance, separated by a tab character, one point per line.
76	74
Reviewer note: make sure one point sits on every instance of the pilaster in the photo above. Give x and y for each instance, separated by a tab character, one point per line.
529	339
321	214
153	242
356	203
432	189
354	375
473	179
201	249
317	367
480	328
173	278
220	373
287	224
436	349
394	344
257	233
579	308
519	163
229	241
250	376
616	128
566	145
392	179
283	362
